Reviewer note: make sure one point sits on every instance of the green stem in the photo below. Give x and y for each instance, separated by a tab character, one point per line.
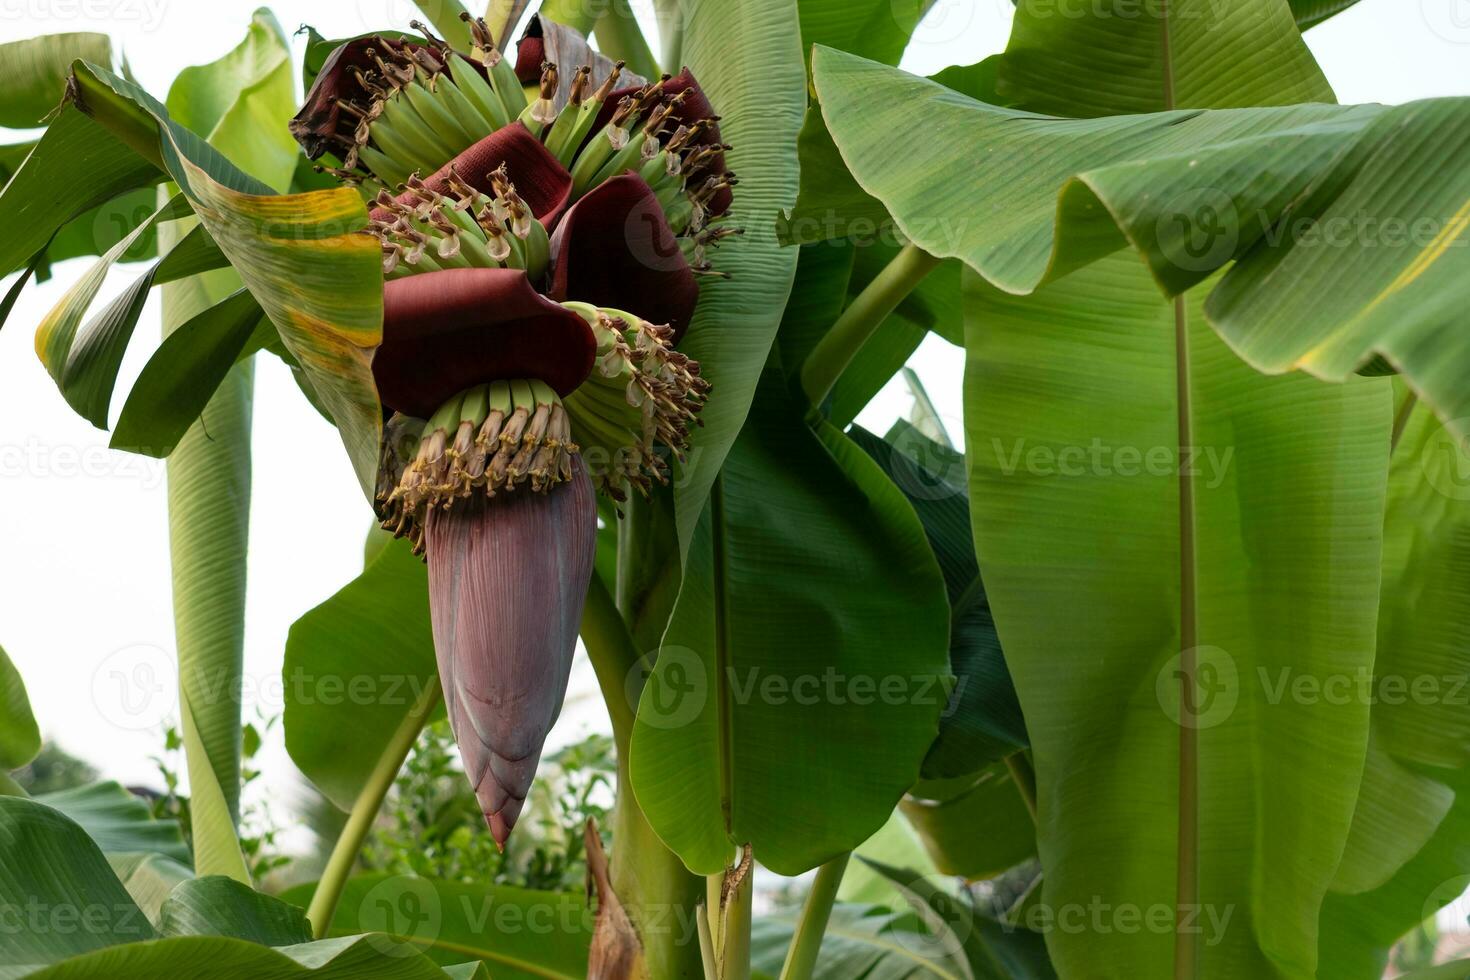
731	920
9	787
1025	779
659	894
365	810
619	37
807	942
613	656
835	351
671	25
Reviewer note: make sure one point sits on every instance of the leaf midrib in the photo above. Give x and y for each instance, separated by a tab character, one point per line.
1186	949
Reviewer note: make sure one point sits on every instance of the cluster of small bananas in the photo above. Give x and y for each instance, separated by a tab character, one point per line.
492	438
641	393
468	229
425	103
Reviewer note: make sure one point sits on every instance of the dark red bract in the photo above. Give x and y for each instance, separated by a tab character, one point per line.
446	331
615	248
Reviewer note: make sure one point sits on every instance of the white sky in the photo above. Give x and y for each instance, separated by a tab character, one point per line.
84	568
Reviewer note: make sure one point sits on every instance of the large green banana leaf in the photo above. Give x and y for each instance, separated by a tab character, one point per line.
20	736
1274	188
748	59
1406	857
877	29
865	941
117	821
801	677
35	71
518	933
220	906
1112	578
982	722
1309	13
80	924
1096	592
974	828
298	254
359	667
76	167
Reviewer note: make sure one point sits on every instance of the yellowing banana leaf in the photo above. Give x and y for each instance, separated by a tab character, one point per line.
300	255
235	103
85	369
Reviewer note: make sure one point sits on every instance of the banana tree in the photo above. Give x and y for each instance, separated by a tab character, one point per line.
592	326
